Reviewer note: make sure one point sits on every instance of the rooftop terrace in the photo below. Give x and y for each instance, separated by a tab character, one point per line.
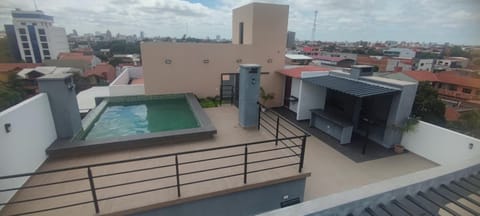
330	170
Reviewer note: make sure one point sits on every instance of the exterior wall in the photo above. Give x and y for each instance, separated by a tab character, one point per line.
444	90
312	97
68	63
120	86
425	65
23	148
441	145
57	41
295	92
265	29
248	202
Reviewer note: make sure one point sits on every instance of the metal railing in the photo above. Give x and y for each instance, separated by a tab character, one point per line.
288	134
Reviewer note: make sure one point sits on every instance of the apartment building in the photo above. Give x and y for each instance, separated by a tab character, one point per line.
33	38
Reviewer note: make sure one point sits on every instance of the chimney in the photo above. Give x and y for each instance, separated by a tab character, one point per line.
361	70
60	89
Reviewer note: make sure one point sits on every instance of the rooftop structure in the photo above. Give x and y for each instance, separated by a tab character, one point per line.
7	69
33	38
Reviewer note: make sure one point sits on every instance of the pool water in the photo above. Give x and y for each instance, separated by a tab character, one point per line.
141	117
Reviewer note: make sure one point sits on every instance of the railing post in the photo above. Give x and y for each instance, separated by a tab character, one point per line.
92	189
221	93
302	154
178	175
232	95
259	113
245	165
276	132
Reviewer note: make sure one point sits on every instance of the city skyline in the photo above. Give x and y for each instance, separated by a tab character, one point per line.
353	20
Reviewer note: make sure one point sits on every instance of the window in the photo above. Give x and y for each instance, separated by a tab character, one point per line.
34	23
439	85
27	52
421	64
28	59
452	87
47	57
240	32
45	45
46	52
25	45
43	38
466	90
22	31
22	23
23	38
41	31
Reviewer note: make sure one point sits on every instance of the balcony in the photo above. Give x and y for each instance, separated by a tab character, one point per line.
455	94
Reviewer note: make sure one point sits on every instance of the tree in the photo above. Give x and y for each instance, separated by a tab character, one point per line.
468	123
427	106
11	92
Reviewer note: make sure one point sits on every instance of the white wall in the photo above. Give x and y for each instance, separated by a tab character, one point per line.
23	148
441	145
312	97
295	91
57	41
120	86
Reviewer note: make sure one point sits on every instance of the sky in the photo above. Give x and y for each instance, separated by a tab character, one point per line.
454	21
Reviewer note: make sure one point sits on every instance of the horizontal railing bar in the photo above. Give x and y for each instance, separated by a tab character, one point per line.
209	159
268	130
130	171
211	169
271	125
145	158
267	150
136	193
45	197
134	182
273	119
271	159
51	209
270	168
289	122
46	184
210	179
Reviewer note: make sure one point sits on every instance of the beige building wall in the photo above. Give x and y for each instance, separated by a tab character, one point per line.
182	67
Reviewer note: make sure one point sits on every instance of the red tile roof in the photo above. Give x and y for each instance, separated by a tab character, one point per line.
451	114
452	78
422	76
7	67
103	70
75	56
296	72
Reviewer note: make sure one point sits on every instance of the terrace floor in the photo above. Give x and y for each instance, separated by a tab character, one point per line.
330	170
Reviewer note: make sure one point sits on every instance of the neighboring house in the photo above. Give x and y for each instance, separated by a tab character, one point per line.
398	65
334	61
311	50
451	62
129	58
103	70
297	59
339	54
424	65
259	36
378	61
33	38
400	53
30	75
8	69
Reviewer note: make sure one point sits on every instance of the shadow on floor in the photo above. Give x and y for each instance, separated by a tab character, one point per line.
352	150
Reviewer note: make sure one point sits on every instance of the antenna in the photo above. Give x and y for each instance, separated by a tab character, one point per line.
314	26
35	3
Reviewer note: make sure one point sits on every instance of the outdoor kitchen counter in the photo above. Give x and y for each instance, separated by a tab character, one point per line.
333	125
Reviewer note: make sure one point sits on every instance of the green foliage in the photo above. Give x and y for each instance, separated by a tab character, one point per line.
457	51
265	97
5	53
426	55
81	82
118	46
209	102
11	92
468	123
427	106
115	62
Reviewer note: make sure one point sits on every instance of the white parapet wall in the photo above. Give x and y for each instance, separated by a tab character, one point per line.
121	87
441	145
22	149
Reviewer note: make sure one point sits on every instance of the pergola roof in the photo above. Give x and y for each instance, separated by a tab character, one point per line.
353	87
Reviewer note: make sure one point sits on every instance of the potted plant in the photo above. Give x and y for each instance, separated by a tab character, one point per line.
409	125
265	98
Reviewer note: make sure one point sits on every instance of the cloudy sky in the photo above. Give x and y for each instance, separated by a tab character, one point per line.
454	21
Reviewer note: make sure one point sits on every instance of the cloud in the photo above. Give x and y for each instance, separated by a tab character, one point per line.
410	20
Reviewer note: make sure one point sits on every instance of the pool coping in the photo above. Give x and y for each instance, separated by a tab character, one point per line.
72	146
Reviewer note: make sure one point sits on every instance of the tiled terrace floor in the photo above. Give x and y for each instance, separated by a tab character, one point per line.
331	171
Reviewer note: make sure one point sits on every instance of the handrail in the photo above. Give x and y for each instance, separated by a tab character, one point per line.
90	177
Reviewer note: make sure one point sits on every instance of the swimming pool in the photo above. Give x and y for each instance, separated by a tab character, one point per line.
141	117
133	121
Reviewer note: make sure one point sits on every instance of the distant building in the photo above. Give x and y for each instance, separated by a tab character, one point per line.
296	59
424	65
29	75
142	35
33	38
290	40
8	69
399	65
400	53
108	35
